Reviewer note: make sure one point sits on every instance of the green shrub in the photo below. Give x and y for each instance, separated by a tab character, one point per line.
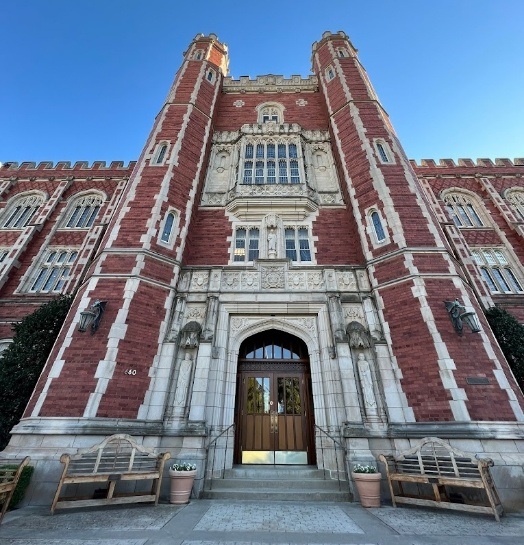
510	335
23	360
21	486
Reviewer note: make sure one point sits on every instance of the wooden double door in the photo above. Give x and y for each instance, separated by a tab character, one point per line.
274	413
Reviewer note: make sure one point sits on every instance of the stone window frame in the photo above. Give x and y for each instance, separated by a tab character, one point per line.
249	251
160	154
21	209
296	228
383	151
211	76
51	272
371	212
84	209
498	270
342	52
198	55
167	233
4	344
465	209
515	196
330	73
269	165
270	110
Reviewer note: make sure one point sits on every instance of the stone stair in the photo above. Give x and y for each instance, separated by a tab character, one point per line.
280	482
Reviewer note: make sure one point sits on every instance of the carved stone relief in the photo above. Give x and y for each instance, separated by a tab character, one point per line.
199	281
353	313
195	313
363	280
346	281
315	281
272	277
296	281
230	280
250	281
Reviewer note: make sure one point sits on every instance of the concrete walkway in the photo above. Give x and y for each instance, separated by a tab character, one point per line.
214	522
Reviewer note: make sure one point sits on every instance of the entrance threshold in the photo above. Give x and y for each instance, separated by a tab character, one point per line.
274	457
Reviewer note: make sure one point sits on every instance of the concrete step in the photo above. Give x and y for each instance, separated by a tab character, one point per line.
279	483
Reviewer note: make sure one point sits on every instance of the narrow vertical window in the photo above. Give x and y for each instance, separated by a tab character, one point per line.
382	152
161	154
168	227
248	172
253	244
291	250
377	226
240	245
303	242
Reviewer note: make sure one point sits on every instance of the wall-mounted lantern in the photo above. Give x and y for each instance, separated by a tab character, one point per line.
458	315
91	318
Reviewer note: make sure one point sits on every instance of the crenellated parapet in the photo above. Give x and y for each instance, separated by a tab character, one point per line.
482	162
66	165
270	84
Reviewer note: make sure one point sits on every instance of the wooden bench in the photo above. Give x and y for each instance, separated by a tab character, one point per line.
10	471
118	458
437	464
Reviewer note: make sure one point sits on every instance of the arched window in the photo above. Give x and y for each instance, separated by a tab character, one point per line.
160	154
211	76
383	151
496	270
198	55
462	211
377	226
21	210
342	52
52	272
516	198
83	212
167	229
270	112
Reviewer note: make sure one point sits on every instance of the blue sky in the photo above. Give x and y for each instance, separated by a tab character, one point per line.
84	79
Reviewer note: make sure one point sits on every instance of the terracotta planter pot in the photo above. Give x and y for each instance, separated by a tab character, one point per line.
181	485
368	487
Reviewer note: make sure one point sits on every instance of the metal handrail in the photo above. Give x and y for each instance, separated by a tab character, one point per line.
213	444
338	446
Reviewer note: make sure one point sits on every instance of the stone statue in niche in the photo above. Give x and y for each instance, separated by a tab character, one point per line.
184	375
358	335
272	243
190	335
366	383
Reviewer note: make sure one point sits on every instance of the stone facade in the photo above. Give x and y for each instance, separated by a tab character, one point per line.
260	205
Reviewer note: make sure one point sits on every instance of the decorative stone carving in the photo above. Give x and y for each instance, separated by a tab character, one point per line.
301	102
199	281
346	281
214	199
270	84
315	281
238	103
250	281
183	283
211	318
272	277
195	313
238	323
358	335
177	319
363	280
354	314
214	281
335	315
189	336
230	281
306	323
296	281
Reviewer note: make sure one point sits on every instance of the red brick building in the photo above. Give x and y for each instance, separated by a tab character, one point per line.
274	269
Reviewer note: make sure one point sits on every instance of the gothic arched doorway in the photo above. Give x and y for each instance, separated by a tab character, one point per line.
274	412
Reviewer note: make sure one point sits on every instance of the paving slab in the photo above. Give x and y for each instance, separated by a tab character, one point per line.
216	522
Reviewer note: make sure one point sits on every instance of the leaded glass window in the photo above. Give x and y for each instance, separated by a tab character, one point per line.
274	163
495	270
53	271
